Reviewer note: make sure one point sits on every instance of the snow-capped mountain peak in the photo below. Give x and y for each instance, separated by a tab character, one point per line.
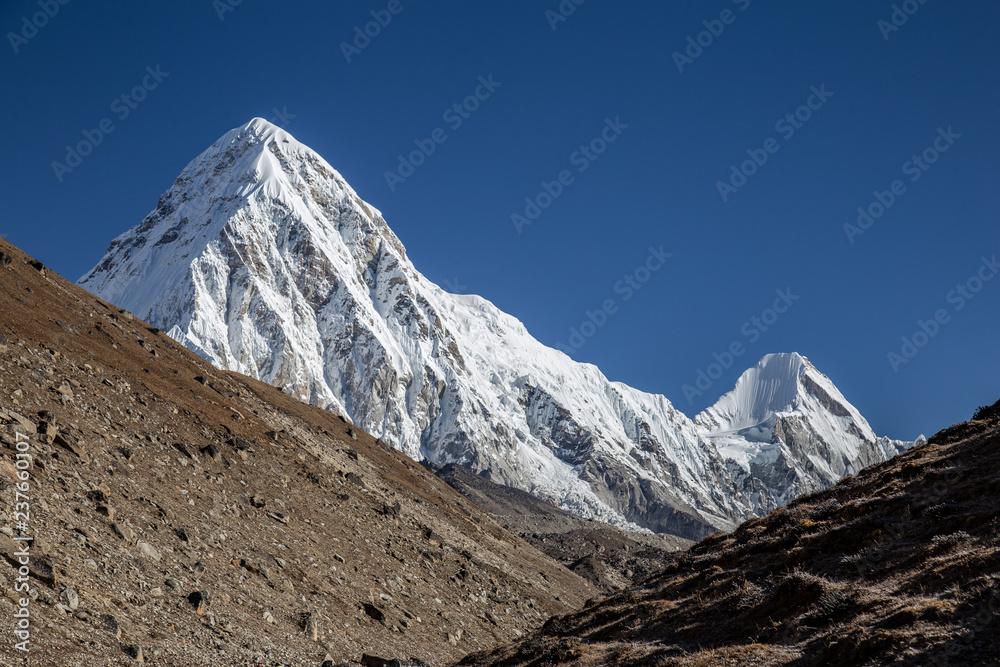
787	424
262	259
778	383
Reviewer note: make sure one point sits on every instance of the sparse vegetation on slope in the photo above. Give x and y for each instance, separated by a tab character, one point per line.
900	563
189	516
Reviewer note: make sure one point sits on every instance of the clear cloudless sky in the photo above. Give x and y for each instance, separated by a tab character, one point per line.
655	185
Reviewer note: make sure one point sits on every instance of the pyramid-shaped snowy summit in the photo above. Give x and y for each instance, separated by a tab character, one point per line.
262	259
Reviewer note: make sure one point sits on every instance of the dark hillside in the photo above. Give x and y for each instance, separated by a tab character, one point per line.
899	564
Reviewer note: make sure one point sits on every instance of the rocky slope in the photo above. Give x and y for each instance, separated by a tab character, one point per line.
204	518
263	260
897	565
608	557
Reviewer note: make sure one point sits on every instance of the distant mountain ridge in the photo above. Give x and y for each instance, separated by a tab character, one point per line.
263	260
787	425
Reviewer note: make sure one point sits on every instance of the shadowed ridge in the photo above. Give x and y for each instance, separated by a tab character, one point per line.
898	563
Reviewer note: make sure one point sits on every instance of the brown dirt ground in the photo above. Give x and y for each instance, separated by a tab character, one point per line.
345	522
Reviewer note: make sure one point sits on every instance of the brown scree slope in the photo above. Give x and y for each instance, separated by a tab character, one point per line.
204	518
608	557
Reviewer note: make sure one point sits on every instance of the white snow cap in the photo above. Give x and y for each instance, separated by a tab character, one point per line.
262	259
769	387
778	383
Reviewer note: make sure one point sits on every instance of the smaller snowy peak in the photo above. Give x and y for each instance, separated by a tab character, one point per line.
780	384
773	385
788	426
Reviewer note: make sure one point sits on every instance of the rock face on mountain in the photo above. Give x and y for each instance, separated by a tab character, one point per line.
787	425
263	260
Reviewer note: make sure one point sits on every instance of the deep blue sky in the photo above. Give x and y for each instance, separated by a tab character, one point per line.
656	184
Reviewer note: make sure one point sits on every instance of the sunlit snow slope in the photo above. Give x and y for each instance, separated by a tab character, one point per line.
262	259
786	424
